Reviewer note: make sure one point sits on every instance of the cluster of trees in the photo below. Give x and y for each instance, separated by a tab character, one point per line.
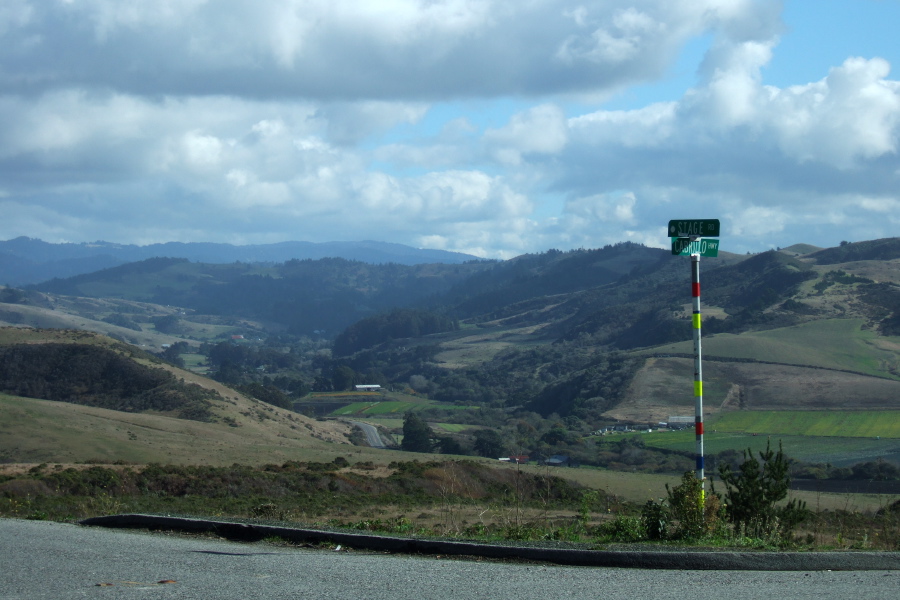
168	324
267	393
98	376
121	320
396	324
419	437
498	434
879	470
74	373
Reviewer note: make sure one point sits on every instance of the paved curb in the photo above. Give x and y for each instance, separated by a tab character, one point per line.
719	561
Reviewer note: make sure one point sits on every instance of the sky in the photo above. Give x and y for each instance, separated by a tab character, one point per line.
490	127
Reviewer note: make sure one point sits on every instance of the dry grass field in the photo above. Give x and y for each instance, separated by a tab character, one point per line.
475	346
243	429
38	431
664	387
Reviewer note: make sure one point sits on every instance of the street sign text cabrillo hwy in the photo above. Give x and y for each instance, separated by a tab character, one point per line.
687	246
695	228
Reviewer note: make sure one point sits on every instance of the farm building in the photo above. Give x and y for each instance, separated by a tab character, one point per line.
681	422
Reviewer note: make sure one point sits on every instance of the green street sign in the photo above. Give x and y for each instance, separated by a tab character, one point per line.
697	227
687	246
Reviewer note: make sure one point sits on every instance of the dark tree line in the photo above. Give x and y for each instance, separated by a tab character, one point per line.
396	324
97	376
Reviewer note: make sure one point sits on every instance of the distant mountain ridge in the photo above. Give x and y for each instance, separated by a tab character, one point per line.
25	261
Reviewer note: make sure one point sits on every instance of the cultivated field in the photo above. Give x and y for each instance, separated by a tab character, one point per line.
847	424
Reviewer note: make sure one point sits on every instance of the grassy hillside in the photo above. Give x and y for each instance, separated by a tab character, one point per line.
581	337
800	249
43	431
125	320
830	344
664	387
36	430
883	249
305	296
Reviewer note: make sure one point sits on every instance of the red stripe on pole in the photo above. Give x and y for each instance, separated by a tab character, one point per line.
695	290
698	428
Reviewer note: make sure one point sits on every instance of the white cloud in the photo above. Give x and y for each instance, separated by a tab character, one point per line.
852	114
351	122
539	130
446	196
619	40
650	126
758	220
615	208
886	206
321	120
201	151
351	50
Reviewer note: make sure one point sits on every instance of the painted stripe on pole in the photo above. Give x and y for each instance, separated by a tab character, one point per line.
698	428
695	290
698	388
700	463
696	320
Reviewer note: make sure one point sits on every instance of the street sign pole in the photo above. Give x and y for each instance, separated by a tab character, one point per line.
687	239
698	374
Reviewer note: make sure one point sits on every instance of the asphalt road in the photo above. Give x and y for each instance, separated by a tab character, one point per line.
52	560
372	436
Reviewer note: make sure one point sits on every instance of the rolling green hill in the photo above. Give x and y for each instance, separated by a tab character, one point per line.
575	339
304	296
842	344
108	401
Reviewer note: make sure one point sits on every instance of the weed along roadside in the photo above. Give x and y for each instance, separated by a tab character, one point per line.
678	559
457	501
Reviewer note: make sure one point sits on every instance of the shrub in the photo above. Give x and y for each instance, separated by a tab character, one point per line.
623	529
693	512
655	520
753	492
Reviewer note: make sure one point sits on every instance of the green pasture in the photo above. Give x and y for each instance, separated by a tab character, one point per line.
847	424
836	451
339	396
830	343
206	331
837	437
451	427
376	408
193	362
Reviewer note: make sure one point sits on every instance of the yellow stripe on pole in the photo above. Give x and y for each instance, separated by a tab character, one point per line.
698	388
696	320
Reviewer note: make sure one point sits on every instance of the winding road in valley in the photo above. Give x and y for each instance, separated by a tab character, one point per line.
372	436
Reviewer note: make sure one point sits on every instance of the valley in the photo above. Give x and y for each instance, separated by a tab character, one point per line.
531	357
